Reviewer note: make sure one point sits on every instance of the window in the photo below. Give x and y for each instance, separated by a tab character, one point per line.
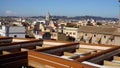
111	40
94	35
15	36
54	34
70	32
66	32
74	33
104	36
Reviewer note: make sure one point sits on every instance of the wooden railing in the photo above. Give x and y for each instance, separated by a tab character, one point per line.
25	44
61	48
103	45
6	39
55	61
102	53
14	60
109	63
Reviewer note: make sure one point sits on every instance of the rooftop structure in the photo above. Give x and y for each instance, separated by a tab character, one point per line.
13	31
19	52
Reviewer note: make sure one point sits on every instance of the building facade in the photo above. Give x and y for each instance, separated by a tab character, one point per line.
13	31
94	34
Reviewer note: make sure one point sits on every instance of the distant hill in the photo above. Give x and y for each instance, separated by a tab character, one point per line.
86	17
72	18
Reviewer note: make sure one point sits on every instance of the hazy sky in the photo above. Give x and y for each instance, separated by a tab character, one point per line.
104	8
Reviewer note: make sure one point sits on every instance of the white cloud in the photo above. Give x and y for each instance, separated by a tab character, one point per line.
9	12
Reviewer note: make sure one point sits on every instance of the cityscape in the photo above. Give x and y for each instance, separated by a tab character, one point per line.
60	34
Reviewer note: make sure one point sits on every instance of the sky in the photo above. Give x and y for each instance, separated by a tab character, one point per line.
103	8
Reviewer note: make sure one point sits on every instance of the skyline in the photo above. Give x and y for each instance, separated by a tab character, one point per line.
103	8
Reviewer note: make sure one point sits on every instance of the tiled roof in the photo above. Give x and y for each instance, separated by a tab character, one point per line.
100	30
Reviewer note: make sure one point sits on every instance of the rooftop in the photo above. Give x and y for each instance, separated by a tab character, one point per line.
49	53
100	30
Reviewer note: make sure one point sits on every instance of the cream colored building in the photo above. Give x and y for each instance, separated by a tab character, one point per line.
74	32
94	34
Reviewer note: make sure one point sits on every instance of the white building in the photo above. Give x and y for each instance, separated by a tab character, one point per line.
13	31
73	32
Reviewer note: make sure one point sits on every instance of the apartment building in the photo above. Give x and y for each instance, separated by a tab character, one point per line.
13	31
94	34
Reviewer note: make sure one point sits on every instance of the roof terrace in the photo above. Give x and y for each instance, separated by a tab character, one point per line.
49	54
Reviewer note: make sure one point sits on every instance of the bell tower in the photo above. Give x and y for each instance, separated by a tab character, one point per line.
47	16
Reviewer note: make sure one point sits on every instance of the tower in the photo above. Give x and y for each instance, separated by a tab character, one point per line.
47	16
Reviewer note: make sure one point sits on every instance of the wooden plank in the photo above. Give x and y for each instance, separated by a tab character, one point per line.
69	54
15	50
24	49
108	63
15	64
39	60
17	59
38	47
5	52
84	49
0	52
80	50
52	58
35	64
116	58
48	59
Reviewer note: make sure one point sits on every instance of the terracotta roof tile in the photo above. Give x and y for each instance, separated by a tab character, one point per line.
100	30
